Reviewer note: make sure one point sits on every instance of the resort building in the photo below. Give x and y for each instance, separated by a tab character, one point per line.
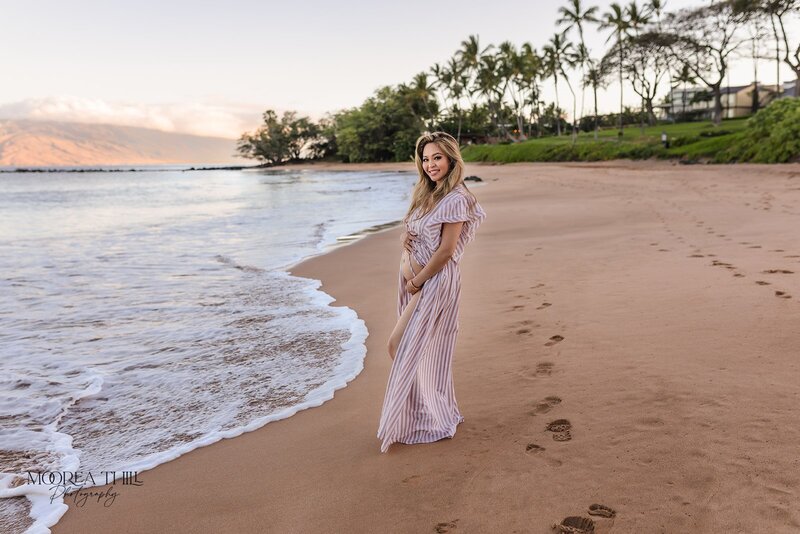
737	101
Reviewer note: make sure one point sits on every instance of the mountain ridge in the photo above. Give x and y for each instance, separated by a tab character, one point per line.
34	143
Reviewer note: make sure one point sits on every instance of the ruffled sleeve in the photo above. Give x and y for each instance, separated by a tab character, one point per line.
457	207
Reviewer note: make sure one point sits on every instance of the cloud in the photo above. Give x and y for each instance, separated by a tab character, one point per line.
199	118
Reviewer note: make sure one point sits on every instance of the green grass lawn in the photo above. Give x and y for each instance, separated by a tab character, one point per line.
692	141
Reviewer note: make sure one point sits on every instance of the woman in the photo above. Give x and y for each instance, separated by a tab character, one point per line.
420	404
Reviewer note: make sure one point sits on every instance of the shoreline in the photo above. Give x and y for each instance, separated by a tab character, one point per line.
608	249
354	345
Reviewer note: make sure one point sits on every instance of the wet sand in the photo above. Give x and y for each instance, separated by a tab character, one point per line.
653	307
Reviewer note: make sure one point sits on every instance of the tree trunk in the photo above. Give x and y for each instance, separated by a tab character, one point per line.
621	127
642	114
574	105
683	103
777	54
651	116
796	82
595	112
717	105
558	118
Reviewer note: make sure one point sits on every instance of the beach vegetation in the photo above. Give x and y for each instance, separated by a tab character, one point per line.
490	96
278	140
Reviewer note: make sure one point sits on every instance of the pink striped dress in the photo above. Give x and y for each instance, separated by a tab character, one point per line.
420	404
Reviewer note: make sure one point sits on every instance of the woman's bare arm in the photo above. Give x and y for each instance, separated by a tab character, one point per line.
447	246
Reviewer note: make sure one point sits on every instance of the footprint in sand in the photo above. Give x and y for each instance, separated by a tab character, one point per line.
522	331
544	368
546	405
440	528
778	271
663	250
544	305
697	256
601	510
792	256
738	275
517	307
534	448
782	294
575	525
778	250
762	283
560	429
553	340
754	246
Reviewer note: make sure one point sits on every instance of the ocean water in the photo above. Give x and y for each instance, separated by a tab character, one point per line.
145	314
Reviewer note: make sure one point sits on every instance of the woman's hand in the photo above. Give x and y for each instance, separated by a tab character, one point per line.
407	239
411	289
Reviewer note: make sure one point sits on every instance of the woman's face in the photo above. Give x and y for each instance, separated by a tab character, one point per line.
434	162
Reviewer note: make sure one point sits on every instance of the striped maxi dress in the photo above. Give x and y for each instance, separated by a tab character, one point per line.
420	404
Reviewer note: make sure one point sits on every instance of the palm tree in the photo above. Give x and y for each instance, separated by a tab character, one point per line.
685	76
532	70
595	78
514	69
487	82
470	58
615	19
421	92
459	81
574	16
508	69
451	80
557	53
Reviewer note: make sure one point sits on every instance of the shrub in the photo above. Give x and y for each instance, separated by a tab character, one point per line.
772	136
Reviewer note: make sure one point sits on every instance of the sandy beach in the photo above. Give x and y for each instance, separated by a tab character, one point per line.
654	306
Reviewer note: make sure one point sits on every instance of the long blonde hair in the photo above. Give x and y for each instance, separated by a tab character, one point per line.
427	193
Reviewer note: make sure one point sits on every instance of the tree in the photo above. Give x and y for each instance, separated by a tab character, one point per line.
278	140
421	97
684	76
575	16
644	66
533	71
384	128
705	38
656	7
615	20
557	53
487	84
637	19
596	77
452	79
470	58
780	11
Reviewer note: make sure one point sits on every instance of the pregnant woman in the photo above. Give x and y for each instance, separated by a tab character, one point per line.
420	404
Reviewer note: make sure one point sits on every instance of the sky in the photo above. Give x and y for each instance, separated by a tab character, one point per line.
212	68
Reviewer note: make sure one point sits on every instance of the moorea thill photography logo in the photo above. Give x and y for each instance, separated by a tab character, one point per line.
76	486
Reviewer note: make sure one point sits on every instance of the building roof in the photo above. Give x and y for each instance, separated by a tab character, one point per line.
788	88
734	89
